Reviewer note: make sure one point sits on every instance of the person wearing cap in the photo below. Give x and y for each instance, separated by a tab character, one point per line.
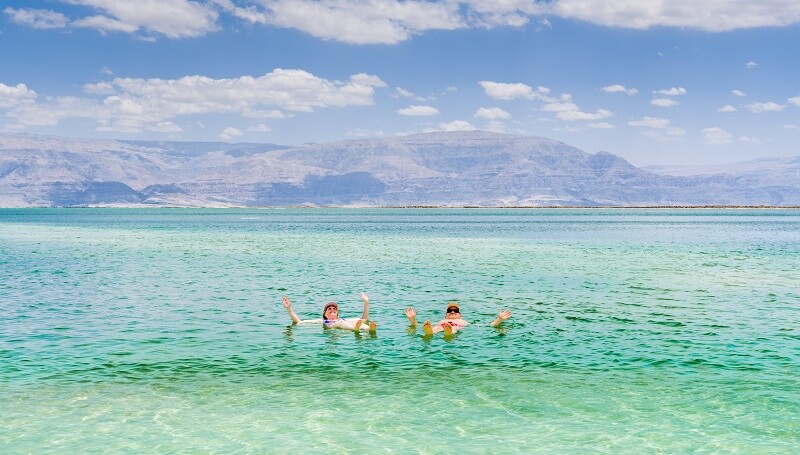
330	317
452	321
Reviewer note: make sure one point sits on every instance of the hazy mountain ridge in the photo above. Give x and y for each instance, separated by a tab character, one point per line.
462	168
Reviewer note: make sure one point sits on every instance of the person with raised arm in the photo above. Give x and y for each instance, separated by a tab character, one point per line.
331	320
452	321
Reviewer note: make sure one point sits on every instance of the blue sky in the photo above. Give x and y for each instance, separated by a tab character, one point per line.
653	81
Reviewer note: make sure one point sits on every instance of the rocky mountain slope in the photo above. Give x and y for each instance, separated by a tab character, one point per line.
460	168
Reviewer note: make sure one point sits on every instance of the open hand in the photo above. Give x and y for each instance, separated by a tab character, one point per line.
410	313
503	315
286	302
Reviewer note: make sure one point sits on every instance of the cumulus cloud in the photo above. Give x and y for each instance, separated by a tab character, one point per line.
395	21
15	95
230	133
400	92
105	24
650	122
600	125
575	115
492	113
359	22
260	128
794	100
560	107
418	111
766	107
663	102
37	18
674	91
710	15
727	108
164	127
133	104
456	125
716	136
751	64
738	93
616	88
508	91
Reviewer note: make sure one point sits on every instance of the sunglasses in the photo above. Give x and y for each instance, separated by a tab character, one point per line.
453	310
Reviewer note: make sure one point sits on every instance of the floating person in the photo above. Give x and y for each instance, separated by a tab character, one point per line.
331	320
452	321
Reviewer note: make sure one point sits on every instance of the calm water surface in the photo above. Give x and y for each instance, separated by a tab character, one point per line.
153	331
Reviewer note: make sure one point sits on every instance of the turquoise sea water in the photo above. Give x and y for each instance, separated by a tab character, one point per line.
161	331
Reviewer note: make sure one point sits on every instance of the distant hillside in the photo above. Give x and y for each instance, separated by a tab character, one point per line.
460	168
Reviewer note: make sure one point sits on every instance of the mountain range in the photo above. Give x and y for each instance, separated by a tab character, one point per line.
474	168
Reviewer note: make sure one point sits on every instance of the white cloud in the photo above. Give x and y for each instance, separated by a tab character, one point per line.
751	64
790	126
105	24
361	22
456	125
738	93
165	127
171	18
663	102
230	133
504	91
395	21
37	18
492	113
99	88
560	107
727	108
794	100
137	103
766	107
748	139
418	111
260	128
716	136
709	15
572	116
15	95
674	91
401	92
650	122
616	88
600	125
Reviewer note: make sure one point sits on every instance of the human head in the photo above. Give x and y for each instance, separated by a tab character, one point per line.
334	314
453	311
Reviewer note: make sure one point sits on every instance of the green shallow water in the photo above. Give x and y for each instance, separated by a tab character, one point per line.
136	330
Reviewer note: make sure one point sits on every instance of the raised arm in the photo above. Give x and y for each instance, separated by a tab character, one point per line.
501	316
288	305
411	314
365	313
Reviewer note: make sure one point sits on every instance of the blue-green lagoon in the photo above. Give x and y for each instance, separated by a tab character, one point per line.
633	330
